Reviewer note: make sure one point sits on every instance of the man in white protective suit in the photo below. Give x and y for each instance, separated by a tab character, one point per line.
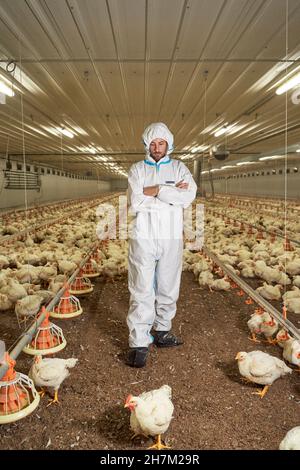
159	188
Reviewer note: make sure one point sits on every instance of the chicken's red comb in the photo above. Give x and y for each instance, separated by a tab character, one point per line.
128	399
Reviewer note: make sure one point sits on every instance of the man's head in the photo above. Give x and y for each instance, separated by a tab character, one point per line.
158	148
158	140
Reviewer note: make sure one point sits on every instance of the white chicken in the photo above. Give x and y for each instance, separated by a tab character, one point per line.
50	373
269	327
293	267
270	292
254	324
296	281
291	294
281	337
200	266
291	440
151	413
261	368
219	284
205	278
28	306
291	352
5	303
293	305
14	290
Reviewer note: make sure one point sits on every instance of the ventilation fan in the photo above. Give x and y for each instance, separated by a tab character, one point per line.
219	152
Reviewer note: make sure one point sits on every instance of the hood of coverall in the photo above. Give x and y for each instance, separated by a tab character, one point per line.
157	130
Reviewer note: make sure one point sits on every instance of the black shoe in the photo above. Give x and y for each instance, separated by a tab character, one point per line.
137	357
165	339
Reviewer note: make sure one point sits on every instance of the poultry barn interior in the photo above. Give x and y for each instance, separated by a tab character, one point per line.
80	80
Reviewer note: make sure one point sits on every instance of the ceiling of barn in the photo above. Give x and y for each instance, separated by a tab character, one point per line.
104	69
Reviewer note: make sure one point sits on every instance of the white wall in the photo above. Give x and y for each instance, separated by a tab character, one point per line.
53	188
121	184
272	185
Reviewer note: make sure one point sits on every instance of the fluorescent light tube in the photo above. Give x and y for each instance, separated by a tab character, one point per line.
294	81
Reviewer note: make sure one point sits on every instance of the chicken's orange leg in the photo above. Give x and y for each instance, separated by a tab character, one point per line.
158	445
262	392
253	338
55	399
42	392
270	341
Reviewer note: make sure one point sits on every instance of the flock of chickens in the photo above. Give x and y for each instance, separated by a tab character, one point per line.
34	270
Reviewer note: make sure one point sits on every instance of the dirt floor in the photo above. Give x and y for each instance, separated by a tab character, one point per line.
213	408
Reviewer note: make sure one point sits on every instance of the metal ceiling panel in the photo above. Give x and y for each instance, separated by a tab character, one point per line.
107	68
94	16
30	40
60	13
163	23
178	82
197	26
129	24
156	80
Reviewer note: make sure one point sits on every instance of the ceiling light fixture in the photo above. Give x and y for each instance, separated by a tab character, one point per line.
244	163
6	89
273	157
221	131
291	83
65	132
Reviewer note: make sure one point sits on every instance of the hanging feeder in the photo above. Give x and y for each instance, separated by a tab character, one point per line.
49	339
260	235
18	396
284	312
81	285
68	306
97	256
287	245
89	270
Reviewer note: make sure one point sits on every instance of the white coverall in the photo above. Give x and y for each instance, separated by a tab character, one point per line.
156	244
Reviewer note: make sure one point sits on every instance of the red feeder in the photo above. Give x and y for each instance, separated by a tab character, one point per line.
260	235
18	396
49	338
287	245
97	256
89	270
81	285
68	306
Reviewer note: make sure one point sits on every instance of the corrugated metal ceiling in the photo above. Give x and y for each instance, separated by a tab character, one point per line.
107	68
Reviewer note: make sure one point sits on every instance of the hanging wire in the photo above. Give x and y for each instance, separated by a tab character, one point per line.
61	151
286	133
24	155
204	112
23	137
204	136
10	70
